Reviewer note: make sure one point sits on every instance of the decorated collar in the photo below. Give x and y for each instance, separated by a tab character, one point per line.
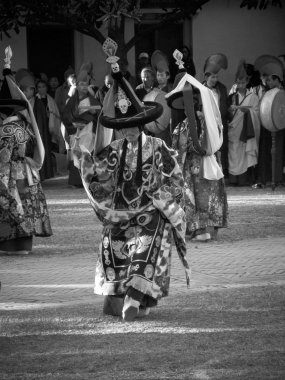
10	118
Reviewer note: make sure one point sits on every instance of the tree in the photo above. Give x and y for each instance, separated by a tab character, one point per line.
261	4
87	16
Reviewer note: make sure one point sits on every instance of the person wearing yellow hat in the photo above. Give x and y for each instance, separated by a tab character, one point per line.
271	68
133	182
160	65
244	130
23	207
213	65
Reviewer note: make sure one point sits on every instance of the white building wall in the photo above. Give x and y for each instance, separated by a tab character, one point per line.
222	26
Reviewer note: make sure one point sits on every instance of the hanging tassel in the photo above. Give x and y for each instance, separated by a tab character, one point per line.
122	163
139	163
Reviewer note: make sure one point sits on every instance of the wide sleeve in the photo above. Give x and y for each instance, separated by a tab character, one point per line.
10	201
98	173
168	197
6	150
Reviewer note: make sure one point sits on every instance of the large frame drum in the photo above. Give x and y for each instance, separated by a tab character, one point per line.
272	115
272	110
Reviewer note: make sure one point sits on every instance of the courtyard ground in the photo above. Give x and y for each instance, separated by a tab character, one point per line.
228	325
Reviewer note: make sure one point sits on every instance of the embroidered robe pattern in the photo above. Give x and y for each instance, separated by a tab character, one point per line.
23	208
138	222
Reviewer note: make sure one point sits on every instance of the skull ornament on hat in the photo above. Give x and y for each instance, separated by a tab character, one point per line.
122	102
121	107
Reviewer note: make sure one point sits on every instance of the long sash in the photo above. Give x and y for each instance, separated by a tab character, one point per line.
211	169
39	151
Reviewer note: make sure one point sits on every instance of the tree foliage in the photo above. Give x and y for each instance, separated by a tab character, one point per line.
260	4
87	16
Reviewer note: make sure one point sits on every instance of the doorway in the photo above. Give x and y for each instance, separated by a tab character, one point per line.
50	50
166	39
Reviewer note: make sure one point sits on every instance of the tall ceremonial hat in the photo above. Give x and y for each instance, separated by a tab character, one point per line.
241	72
8	102
85	72
176	102
177	105
269	65
83	76
121	107
24	78
87	66
159	61
215	62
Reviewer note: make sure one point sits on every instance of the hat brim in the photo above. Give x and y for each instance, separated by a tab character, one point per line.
15	104
150	112
176	101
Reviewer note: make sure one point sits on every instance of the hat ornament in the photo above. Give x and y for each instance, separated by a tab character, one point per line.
8	56
110	47
178	57
122	102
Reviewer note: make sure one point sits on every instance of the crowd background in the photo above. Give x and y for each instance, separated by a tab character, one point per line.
154	78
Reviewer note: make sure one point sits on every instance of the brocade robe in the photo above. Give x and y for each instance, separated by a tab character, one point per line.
23	208
205	201
138	222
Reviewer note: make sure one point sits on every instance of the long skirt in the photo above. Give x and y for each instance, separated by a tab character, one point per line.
33	222
206	205
264	167
135	255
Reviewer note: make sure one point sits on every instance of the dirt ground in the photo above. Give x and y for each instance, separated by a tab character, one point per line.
230	325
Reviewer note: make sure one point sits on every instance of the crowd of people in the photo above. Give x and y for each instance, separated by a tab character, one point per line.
243	165
154	158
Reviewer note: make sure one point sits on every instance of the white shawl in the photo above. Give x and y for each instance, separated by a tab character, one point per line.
213	121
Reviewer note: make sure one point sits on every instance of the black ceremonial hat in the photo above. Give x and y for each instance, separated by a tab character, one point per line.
122	108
